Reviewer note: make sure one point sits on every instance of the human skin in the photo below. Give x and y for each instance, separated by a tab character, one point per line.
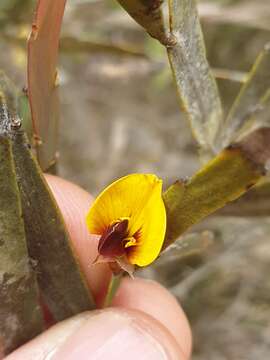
144	321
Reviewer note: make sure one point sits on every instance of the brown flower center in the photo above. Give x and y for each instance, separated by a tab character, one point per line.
112	242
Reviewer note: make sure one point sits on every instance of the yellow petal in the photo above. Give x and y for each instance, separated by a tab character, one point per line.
152	233
124	198
137	197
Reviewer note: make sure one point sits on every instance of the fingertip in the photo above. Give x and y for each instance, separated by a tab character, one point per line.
153	299
115	334
74	203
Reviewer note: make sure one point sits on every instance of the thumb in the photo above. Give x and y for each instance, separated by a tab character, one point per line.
115	334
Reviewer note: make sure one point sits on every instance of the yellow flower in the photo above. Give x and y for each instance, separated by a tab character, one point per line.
130	217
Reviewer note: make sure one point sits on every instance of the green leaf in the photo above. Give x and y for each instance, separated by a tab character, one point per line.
20	314
60	279
222	180
195	83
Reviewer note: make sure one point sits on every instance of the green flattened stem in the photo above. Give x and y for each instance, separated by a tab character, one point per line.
224	179
62	284
20	314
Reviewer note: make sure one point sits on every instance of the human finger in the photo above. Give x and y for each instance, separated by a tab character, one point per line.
115	334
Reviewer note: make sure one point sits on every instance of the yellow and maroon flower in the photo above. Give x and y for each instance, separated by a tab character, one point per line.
130	217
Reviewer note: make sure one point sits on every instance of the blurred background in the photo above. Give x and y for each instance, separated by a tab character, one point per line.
120	114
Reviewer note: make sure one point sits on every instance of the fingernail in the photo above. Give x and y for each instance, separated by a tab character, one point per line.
111	335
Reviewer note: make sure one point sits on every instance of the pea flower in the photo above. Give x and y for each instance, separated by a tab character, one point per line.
130	217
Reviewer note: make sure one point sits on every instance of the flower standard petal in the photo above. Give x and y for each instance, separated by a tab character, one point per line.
138	198
152	230
126	197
